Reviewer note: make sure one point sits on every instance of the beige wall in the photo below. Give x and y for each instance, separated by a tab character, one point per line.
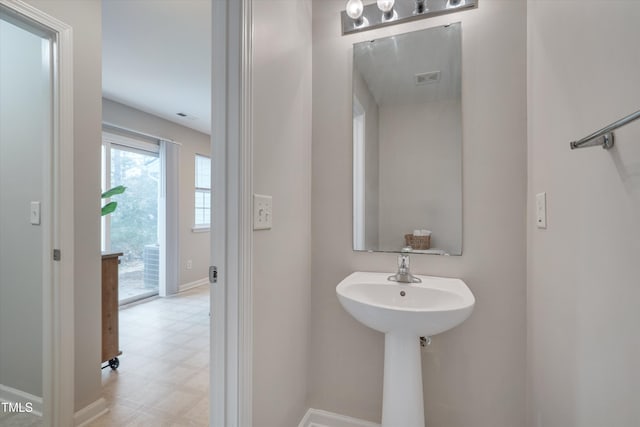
193	246
421	146
583	270
25	126
85	18
473	374
282	161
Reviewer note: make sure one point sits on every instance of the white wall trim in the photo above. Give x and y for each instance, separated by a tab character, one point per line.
245	351
10	394
58	286
190	285
218	346
231	237
320	418
90	413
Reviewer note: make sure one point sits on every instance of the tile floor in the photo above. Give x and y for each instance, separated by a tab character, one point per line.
163	378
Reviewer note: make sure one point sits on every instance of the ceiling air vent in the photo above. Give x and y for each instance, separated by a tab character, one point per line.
187	116
426	78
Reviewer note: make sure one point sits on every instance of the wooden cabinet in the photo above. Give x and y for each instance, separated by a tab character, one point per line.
110	344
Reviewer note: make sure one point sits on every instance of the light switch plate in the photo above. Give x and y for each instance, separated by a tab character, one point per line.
34	213
262	212
541	210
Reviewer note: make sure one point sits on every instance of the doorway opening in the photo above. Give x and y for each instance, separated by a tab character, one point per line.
25	147
156	141
36	219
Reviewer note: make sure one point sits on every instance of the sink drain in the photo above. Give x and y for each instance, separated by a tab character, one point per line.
402	293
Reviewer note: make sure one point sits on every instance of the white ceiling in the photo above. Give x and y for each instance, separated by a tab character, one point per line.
156	57
389	65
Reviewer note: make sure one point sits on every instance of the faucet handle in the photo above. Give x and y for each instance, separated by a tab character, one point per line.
404	275
403	261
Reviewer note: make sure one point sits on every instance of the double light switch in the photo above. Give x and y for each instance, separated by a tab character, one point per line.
262	212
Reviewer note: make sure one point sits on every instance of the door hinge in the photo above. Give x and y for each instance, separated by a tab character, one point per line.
213	274
56	254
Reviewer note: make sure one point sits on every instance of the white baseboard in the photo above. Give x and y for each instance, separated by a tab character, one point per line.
81	418
186	286
320	418
90	412
10	394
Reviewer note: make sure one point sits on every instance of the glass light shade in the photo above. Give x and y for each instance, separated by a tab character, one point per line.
386	5
354	9
452	4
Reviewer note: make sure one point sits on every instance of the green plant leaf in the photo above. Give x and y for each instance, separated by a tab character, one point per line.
112	192
109	208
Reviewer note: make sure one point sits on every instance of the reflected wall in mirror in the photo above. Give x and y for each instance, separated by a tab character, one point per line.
407	142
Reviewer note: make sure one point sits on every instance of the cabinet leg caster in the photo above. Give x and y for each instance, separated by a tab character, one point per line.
114	363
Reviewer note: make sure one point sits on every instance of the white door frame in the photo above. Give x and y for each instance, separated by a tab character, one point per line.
58	283
359	164
231	222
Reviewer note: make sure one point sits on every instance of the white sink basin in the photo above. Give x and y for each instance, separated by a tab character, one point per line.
421	309
404	312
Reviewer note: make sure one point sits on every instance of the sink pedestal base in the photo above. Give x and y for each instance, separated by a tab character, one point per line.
402	403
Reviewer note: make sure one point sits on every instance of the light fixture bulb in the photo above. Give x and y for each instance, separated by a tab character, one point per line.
386	6
354	9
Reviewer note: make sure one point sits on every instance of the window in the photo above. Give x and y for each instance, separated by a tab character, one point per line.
203	192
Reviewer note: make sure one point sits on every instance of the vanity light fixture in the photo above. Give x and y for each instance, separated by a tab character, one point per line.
359	17
452	4
421	7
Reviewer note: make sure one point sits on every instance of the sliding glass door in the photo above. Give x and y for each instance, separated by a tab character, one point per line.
133	228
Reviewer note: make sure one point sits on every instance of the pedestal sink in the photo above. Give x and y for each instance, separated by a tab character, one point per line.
404	312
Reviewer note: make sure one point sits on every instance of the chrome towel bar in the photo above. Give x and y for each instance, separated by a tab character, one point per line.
604	137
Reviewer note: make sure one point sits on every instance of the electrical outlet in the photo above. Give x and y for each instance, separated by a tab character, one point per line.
262	212
189	264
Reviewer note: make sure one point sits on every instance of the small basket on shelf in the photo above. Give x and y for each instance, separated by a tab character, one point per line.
417	242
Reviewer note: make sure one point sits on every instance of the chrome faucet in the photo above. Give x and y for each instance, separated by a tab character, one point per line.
404	275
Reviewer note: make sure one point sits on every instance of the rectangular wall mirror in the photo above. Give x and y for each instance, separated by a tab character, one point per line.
407	142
